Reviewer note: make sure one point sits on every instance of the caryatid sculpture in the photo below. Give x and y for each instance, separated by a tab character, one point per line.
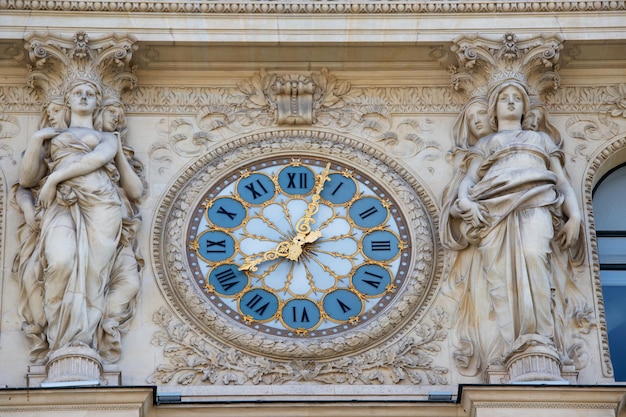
512	220
79	186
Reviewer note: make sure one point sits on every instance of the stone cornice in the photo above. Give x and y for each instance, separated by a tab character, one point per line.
315	7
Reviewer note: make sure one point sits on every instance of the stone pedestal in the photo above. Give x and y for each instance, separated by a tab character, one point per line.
79	365
74	363
534	363
534	360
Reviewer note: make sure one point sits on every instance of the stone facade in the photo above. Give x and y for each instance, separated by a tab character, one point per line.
201	105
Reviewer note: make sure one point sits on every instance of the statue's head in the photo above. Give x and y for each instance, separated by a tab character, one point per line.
494	95
53	114
75	85
472	123
111	116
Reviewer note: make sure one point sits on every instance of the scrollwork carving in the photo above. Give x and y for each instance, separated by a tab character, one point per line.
58	59
9	126
484	62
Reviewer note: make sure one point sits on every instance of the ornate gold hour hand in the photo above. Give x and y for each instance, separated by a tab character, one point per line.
282	250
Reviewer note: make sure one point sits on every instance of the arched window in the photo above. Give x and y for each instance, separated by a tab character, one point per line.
609	206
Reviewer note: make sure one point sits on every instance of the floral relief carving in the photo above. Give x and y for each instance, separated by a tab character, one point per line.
603	126
262	101
616	100
182	139
407	140
192	359
9	126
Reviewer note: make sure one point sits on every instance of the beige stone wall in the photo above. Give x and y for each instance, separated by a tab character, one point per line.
204	71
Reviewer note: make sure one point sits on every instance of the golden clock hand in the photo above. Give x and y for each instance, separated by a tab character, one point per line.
292	250
282	250
303	226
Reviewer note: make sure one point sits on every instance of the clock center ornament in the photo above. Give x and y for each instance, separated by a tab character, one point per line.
297	244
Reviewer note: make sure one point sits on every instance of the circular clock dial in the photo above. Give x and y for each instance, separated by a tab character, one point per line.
299	247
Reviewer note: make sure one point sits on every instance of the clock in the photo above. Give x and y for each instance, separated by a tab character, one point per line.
297	244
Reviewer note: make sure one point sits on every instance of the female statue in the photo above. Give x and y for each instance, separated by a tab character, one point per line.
512	217
73	175
124	281
27	266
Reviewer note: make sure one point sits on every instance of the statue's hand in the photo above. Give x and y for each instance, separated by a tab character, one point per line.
48	193
568	235
471	212
45	134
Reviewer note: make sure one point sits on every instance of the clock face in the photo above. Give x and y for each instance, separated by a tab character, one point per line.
297	244
298	247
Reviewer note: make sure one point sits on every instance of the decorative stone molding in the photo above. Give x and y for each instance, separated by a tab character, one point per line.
147	99
192	359
597	161
307	7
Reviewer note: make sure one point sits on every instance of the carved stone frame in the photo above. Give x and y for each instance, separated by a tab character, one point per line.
184	296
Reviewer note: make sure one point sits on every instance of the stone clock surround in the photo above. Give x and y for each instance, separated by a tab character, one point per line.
420	283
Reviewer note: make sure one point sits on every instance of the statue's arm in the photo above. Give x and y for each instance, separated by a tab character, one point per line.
129	180
33	168
568	235
464	207
103	153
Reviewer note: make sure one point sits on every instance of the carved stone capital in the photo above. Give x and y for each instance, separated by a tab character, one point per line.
485	62
56	59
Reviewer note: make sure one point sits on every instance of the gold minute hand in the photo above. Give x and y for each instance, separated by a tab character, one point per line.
292	250
303	226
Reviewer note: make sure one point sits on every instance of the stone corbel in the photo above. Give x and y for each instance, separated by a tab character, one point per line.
294	99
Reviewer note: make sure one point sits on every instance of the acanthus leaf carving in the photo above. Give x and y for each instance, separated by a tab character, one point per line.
616	100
